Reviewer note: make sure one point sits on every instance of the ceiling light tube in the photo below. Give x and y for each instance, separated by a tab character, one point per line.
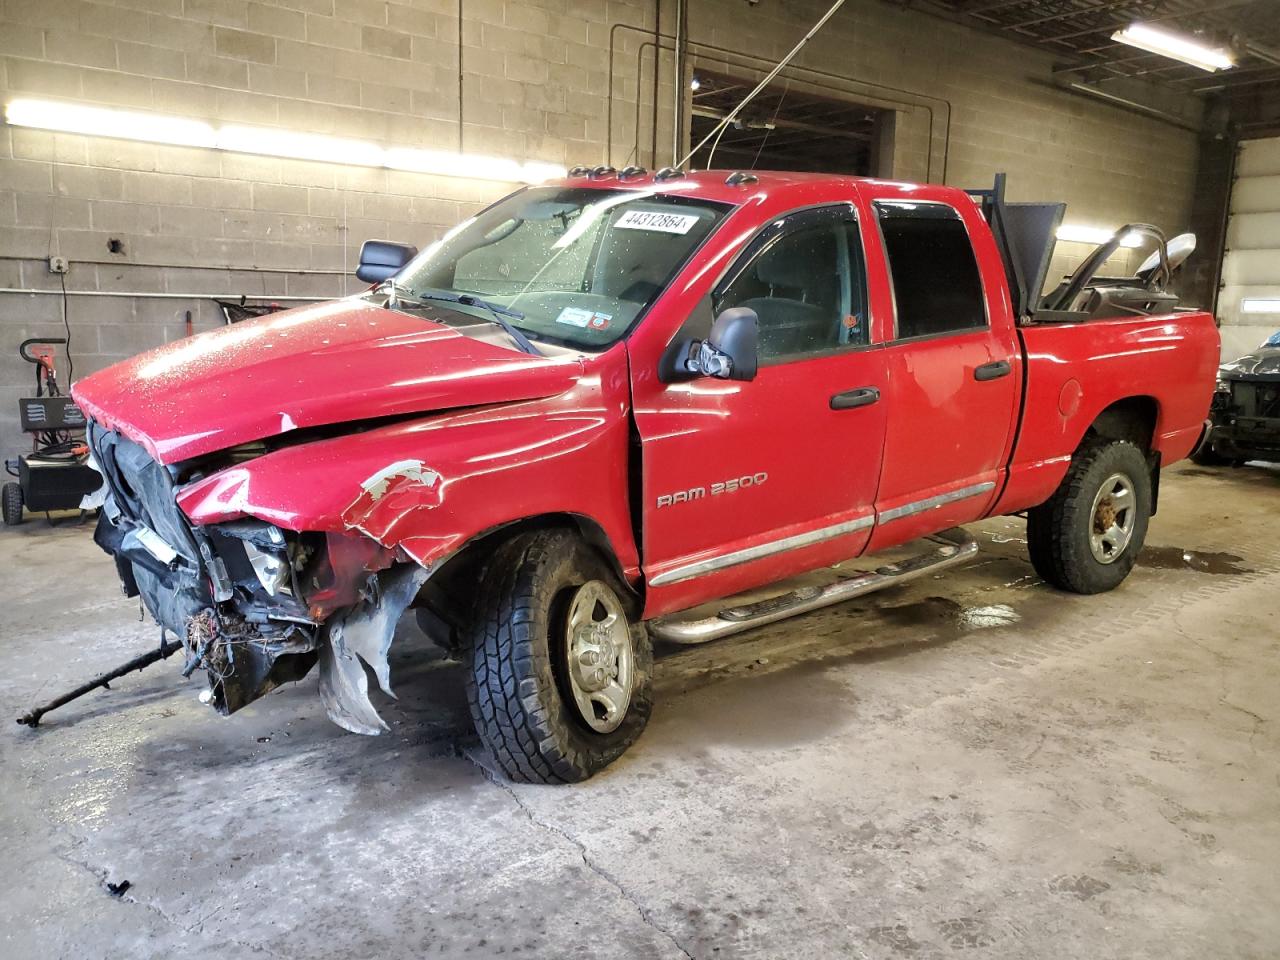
108	122
1074	233
1175	45
268	141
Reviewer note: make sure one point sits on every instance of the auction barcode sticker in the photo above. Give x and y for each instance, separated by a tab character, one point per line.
662	222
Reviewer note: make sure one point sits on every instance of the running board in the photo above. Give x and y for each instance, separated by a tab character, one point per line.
957	547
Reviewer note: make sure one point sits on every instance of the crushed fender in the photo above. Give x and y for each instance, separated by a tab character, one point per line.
363	633
390	494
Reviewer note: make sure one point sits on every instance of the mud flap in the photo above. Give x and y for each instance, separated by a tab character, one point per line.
363	633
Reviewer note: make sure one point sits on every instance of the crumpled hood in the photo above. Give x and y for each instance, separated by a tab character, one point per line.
335	362
1263	363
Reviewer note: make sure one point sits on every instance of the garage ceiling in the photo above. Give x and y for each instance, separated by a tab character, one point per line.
1079	32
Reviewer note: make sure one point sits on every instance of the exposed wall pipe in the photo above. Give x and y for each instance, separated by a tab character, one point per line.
150	295
460	76
724	55
186	266
653	124
677	82
1125	103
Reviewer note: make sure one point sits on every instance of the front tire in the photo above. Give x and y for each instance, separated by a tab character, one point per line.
561	678
1088	535
12	504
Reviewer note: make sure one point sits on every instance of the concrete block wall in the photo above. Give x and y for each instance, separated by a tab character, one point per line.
540	80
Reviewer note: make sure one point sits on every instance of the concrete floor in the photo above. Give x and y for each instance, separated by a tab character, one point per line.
974	765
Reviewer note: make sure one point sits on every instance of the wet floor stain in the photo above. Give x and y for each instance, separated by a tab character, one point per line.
1176	558
993	615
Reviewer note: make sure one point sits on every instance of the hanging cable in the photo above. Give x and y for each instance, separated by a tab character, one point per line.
733	114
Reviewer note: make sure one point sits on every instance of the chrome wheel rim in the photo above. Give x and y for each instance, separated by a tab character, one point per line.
601	663
1114	515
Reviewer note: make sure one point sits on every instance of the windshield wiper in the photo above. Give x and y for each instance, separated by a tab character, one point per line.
495	313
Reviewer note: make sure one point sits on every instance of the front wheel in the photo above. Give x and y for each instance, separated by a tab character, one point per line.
1088	535
12	504
560	680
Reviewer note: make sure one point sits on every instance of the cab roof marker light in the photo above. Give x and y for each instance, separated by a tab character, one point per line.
96	121
1075	233
1177	46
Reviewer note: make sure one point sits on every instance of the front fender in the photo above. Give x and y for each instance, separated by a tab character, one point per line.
428	486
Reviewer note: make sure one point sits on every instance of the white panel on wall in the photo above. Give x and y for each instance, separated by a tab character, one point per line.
1251	265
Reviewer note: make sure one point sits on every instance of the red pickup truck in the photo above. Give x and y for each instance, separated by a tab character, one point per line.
592	412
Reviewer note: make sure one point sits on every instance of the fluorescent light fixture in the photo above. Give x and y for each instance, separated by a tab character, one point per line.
1260	305
269	142
1074	233
106	122
1174	45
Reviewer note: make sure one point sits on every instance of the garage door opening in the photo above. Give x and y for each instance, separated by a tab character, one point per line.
786	129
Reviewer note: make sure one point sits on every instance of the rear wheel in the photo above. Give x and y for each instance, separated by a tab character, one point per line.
560	680
12	504
1088	535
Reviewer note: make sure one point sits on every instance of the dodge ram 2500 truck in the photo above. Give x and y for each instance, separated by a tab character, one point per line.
601	409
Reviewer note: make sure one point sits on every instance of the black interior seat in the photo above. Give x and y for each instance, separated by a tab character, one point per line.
798	306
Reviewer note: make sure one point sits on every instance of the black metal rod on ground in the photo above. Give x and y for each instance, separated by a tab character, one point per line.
32	717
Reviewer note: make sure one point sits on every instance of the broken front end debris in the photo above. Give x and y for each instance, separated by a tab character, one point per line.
255	606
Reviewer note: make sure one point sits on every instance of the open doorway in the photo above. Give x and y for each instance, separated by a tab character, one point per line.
784	128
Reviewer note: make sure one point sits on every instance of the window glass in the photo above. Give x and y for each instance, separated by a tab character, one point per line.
936	286
806	283
573	265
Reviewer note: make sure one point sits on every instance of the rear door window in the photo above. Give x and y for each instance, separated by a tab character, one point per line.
936	285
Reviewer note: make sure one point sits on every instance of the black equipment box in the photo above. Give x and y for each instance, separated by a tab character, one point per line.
55	484
50	413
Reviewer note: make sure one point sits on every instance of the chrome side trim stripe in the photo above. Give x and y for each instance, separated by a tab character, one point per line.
738	557
920	506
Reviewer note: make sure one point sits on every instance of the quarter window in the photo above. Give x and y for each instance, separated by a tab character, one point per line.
936	286
806	283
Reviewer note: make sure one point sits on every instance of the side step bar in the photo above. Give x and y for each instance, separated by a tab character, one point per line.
957	547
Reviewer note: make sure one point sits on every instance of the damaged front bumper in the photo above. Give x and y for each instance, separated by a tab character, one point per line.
254	606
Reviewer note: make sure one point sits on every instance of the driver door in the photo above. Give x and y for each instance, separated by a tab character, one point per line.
745	483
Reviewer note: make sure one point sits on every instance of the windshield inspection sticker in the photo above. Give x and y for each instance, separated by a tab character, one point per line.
580	317
662	222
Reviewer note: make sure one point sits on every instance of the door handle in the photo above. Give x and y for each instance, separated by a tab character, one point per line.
862	397
992	371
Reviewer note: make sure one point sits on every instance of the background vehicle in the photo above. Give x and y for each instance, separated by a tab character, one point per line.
600	407
1244	418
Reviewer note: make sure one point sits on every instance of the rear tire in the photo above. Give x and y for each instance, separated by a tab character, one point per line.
544	717
1087	536
12	504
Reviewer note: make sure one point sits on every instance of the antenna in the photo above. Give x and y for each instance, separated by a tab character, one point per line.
732	115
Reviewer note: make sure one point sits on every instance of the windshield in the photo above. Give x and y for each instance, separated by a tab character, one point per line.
568	265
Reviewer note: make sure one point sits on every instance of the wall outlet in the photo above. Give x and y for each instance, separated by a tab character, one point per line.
57	264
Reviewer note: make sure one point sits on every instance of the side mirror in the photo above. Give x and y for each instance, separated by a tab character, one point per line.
731	348
380	259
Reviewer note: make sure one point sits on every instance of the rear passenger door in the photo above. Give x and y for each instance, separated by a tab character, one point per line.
953	380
